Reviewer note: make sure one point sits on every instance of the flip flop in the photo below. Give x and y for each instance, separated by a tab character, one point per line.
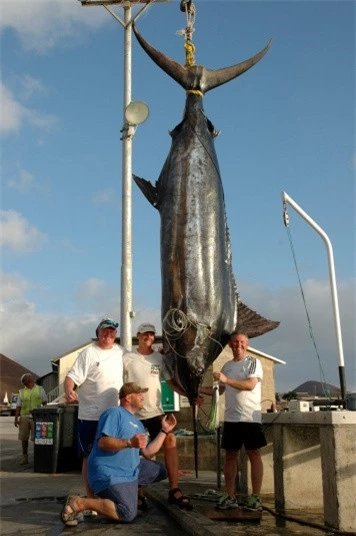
69	518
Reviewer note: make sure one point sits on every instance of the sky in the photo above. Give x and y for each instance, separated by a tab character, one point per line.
288	125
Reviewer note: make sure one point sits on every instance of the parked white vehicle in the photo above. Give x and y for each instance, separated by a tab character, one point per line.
13	403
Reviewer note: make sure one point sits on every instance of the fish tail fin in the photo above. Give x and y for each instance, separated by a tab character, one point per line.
147	188
251	323
196	77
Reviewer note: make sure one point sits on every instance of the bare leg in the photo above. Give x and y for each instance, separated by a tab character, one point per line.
171	460
230	471
24	447
105	507
89	492
256	470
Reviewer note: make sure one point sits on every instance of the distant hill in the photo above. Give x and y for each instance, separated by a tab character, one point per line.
314	388
10	374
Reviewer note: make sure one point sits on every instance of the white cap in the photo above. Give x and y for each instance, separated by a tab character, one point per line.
145	327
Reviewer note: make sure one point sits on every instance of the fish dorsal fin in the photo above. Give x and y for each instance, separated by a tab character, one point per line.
251	323
147	188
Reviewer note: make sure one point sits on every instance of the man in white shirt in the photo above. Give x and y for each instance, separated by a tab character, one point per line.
146	367
98	374
241	379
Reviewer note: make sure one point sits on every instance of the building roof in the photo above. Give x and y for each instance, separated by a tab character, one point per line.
266	356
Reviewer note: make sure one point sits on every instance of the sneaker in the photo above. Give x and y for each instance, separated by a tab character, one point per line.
24	460
226	502
253	503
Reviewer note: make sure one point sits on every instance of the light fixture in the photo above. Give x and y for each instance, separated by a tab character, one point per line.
136	112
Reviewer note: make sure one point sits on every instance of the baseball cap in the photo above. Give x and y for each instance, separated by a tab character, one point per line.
143	328
131	387
106	323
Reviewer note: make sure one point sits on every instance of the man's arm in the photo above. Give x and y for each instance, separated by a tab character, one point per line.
174	385
17	416
242	385
210	390
113	444
69	386
167	423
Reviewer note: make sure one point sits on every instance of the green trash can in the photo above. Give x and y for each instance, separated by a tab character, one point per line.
55	441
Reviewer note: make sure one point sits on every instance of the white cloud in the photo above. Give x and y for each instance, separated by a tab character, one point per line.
14	114
17	235
91	289
23	182
42	24
105	196
31	86
292	342
12	286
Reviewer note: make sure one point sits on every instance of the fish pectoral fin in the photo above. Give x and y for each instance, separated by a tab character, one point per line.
251	323
147	188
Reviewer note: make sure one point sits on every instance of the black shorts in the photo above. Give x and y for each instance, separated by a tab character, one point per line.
153	426
248	434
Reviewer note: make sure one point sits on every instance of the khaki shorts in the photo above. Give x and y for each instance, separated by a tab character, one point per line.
26	428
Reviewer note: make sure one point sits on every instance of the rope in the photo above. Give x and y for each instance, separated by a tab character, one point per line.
326	390
176	323
189	54
189	8
195	92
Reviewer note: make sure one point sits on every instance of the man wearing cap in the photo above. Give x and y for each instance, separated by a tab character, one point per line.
97	373
115	470
146	366
32	396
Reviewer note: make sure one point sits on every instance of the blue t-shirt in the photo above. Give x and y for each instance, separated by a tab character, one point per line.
109	468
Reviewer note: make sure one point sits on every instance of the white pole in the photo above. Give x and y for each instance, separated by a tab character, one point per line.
127	138
287	199
126	242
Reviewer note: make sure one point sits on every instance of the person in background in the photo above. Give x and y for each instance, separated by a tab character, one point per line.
115	470
97	372
241	380
146	366
32	396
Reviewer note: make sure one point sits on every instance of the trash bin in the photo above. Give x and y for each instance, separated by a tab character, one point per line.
55	441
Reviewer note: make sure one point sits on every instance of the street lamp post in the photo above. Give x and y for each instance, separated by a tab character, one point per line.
127	137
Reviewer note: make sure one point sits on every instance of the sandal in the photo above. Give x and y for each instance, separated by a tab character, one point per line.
70	519
183	501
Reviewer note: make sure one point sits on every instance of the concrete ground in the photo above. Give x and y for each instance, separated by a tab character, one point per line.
31	503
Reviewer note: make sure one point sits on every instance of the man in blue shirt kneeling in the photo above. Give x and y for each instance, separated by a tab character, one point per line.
115	469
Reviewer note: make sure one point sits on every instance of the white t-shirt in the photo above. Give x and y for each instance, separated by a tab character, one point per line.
98	373
147	371
240	405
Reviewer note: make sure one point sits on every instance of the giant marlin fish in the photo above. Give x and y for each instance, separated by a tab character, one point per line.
200	304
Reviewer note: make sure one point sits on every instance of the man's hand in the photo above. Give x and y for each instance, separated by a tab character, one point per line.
139	441
71	396
16	422
219	377
168	422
